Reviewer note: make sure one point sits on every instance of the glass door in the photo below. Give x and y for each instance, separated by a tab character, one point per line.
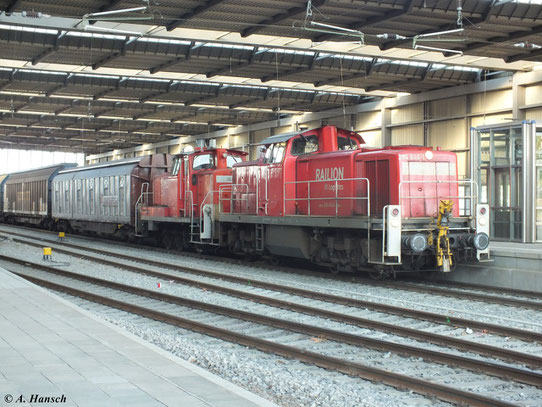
500	178
538	184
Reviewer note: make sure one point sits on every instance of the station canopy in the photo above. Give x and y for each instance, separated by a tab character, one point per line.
91	76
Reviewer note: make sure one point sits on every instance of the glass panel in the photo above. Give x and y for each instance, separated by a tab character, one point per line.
304	145
501	151
484	151
203	161
517	197
501	223
518	151
346	143
483	184
232	159
539	148
502	188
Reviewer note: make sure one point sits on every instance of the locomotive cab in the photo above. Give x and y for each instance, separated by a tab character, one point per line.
190	192
191	183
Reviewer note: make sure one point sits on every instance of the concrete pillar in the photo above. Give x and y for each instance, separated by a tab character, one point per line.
518	99
386	131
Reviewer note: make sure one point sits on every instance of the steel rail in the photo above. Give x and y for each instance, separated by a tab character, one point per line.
492	351
407	286
446	292
351	302
486	288
400	381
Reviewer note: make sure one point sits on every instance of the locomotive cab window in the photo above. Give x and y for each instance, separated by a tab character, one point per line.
233	159
304	145
274	153
176	166
347	143
203	162
278	152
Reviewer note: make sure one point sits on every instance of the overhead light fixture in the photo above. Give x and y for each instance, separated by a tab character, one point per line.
113	16
427	48
111	30
438	33
429	37
391	37
527	45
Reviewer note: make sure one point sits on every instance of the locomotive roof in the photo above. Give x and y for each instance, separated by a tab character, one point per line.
279	138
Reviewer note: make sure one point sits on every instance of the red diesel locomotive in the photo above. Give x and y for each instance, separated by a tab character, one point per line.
319	195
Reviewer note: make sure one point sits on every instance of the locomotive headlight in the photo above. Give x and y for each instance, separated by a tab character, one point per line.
428	155
481	241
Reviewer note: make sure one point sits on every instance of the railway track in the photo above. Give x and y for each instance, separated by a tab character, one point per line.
397	328
494	295
326	297
69	283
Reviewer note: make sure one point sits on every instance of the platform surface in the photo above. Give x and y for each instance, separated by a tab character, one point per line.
516	249
513	265
51	348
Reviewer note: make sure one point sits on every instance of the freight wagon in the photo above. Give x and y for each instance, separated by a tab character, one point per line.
102	198
27	195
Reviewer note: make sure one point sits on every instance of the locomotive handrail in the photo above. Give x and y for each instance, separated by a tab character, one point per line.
139	203
188	193
230	187
472	197
337	198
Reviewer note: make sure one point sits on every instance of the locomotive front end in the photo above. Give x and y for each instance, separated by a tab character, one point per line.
442	222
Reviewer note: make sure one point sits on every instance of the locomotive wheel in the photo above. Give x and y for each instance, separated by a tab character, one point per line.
179	244
334	269
167	241
275	260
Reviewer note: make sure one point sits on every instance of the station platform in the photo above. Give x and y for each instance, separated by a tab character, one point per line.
514	265
51	348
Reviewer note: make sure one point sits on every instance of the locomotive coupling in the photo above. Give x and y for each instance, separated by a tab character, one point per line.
444	253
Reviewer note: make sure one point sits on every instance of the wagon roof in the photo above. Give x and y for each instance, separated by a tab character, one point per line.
107	164
37	174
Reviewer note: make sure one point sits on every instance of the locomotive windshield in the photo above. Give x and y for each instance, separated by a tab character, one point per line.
233	159
203	162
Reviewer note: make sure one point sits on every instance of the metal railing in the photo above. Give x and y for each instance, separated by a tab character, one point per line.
466	202
235	190
143	200
336	199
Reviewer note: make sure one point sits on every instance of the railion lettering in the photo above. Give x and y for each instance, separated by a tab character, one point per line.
329	174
